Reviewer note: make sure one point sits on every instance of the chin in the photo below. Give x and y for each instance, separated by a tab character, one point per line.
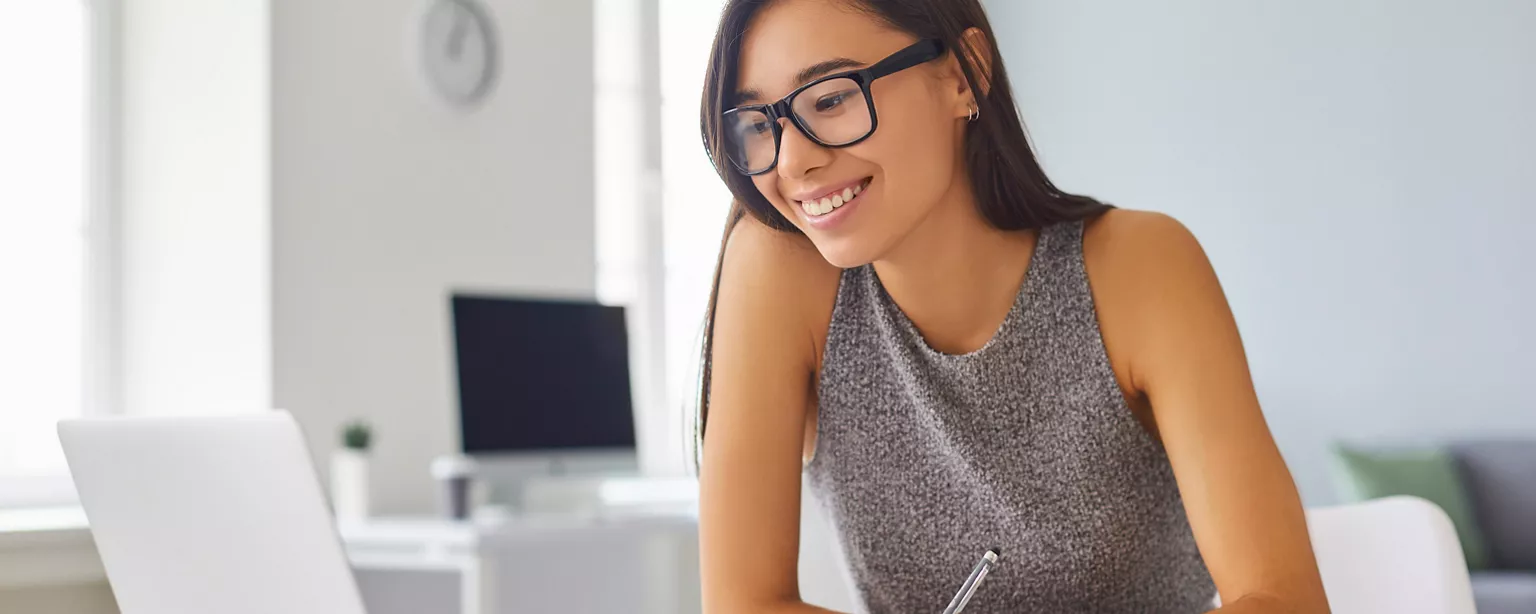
844	254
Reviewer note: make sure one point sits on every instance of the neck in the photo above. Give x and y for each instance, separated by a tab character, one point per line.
956	276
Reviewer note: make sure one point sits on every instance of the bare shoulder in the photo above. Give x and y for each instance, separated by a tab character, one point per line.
1136	256
779	280
1146	270
774	256
1139	242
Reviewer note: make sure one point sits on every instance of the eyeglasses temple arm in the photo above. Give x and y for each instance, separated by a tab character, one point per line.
917	53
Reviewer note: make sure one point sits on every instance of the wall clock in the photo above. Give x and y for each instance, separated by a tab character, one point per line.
459	50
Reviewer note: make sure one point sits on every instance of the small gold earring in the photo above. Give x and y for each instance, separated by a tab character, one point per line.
975	113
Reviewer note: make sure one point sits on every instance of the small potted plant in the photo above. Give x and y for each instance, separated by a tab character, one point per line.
349	471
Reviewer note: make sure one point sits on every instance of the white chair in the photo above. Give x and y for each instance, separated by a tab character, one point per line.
1397	555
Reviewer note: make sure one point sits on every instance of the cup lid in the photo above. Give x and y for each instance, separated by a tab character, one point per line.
452	466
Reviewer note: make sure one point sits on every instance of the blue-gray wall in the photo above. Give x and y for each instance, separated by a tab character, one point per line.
1362	173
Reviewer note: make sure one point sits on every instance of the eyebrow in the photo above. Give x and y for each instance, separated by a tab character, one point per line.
808	73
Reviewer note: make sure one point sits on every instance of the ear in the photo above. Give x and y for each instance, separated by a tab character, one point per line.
978	53
977	49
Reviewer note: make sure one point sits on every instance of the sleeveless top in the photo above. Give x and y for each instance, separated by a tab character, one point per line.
923	460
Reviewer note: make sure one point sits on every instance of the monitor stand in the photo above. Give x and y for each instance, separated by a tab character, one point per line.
552	482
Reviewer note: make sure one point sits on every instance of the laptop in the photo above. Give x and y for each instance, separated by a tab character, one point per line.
201	515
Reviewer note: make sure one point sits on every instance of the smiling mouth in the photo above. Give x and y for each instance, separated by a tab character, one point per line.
830	202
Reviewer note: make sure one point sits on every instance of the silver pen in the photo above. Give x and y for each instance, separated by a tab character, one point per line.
977	575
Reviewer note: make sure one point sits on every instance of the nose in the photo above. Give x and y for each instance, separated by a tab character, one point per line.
799	155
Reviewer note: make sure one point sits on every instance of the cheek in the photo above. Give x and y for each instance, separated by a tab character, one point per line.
916	149
914	138
768	185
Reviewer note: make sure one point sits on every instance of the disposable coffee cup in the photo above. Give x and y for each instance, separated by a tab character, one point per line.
455	479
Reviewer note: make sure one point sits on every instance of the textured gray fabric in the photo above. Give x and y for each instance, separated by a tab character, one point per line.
1504	592
1501	480
924	460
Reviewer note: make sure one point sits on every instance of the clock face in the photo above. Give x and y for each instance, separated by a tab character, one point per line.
458	46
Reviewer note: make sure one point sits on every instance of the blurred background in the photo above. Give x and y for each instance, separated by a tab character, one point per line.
236	205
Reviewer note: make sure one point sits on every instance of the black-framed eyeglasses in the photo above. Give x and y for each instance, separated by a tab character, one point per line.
832	111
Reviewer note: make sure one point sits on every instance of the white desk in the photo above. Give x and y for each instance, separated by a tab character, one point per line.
633	561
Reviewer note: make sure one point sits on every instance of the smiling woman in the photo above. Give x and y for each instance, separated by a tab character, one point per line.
957	354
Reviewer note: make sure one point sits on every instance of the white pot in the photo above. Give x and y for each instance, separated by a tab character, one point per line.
349	484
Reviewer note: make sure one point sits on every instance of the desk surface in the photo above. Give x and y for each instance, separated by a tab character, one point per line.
54	545
32	520
43	546
442	533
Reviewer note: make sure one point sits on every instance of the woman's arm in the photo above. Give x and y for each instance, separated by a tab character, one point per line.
775	293
1162	305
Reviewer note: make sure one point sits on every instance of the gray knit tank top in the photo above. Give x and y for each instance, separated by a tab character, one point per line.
924	460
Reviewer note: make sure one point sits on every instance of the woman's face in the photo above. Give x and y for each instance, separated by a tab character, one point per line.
901	172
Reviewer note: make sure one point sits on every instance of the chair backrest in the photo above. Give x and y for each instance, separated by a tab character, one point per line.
1398	554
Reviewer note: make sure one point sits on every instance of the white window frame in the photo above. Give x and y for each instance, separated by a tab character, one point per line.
101	312
103	329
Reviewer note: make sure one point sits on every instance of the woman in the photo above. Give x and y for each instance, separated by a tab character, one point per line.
958	354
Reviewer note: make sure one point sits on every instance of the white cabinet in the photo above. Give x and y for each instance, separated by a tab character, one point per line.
598	563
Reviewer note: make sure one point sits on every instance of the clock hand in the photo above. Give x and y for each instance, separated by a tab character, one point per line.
457	34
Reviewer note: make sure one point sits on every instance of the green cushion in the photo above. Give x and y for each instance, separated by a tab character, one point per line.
1428	473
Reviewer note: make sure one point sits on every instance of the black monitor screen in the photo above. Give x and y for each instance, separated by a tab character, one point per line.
541	375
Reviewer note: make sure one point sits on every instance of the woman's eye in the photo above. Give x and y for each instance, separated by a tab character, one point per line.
753	129
830	101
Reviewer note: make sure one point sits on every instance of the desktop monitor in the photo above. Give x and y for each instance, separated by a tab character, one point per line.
542	377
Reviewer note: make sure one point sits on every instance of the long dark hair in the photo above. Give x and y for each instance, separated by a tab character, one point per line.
1012	191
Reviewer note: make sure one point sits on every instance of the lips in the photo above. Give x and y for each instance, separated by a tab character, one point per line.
831	201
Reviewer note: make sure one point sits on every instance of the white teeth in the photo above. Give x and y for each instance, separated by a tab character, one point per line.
828	204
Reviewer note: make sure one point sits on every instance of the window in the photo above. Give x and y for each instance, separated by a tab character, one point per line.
50	239
695	201
693	207
659	268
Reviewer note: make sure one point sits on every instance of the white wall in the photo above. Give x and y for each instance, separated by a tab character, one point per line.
385	198
194	189
1360	172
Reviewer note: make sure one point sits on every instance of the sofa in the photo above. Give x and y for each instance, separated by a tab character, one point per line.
1487	487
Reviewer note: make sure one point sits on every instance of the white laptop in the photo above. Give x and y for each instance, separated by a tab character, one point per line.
205	515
